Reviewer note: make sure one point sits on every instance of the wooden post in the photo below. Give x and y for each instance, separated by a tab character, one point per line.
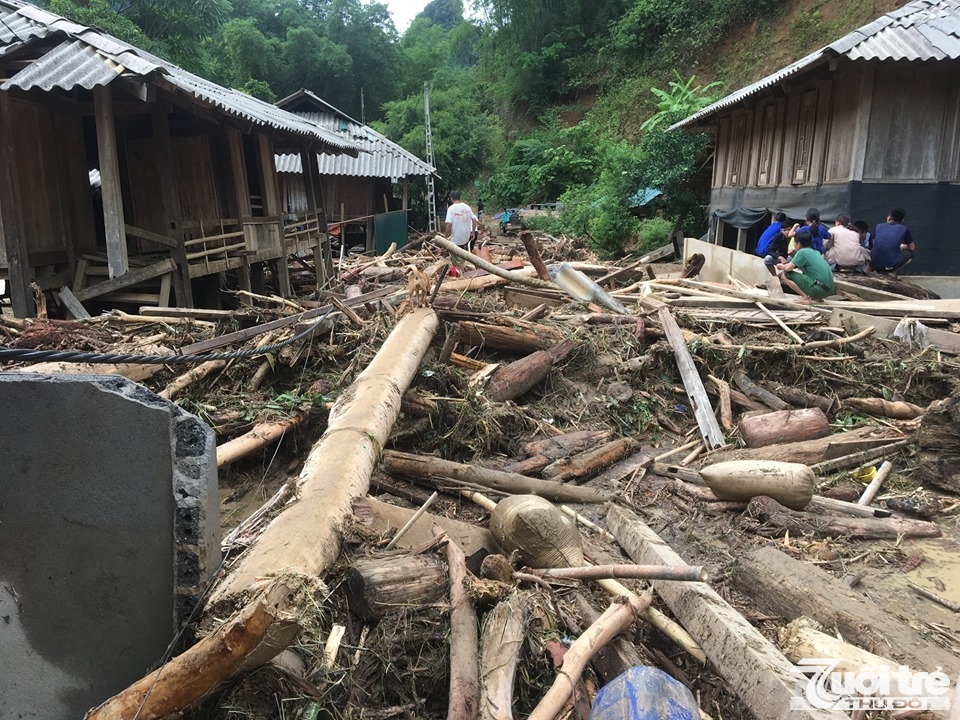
307	160
110	189
171	203
706	420
406	193
11	225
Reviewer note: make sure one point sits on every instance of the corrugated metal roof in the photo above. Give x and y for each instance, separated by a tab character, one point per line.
381	157
88	58
920	30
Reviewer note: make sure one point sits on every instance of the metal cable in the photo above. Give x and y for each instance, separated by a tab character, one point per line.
78	356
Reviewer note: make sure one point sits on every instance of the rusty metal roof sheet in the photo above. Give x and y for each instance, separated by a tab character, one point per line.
381	158
88	57
920	30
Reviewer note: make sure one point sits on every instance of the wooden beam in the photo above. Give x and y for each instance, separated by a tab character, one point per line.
307	162
706	419
760	675
131	278
11	223
110	189
949	309
729	292
70	301
171	203
151	236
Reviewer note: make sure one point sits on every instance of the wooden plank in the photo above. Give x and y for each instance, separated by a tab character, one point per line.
131	278
196	313
853	322
72	304
789	588
151	236
763	297
867	293
706	419
246	334
760	675
949	309
110	188
11	224
533	297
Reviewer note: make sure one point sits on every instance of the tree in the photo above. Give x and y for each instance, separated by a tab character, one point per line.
681	100
445	13
313	62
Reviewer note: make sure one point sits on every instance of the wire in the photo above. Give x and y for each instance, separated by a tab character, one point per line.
78	356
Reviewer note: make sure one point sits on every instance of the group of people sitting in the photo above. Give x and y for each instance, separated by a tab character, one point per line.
805	255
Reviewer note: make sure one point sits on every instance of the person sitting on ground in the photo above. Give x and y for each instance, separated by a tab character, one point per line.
892	244
863	230
777	251
818	233
815	282
842	249
766	238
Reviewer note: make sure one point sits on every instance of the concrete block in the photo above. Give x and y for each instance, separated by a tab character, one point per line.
109	524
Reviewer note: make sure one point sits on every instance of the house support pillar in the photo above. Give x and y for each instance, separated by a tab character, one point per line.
11	226
110	189
171	204
308	161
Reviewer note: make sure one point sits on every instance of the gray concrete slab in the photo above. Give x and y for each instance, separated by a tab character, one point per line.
109	531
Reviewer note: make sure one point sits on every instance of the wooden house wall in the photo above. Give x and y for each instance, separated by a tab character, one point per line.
37	164
355	194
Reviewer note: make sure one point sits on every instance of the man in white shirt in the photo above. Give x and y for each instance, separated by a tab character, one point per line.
461	223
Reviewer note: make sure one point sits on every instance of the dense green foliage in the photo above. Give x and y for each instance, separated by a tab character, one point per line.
531	100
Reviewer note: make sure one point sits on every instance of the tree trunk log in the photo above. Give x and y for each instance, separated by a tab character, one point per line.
756	670
811	452
533	252
208	664
375	585
138	372
784	426
879	407
503	635
464	700
615	619
780	585
490	268
803	399
590	462
476	284
416	405
508	339
260	436
425	469
306	536
754	391
567	444
511	381
771	513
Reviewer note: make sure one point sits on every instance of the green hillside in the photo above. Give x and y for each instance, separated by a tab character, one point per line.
531	100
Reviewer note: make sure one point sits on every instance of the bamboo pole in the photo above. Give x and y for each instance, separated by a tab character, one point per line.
686	573
182	382
874	487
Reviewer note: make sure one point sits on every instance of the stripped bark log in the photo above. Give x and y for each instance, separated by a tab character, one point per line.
490	268
762	678
616	656
427	469
783	426
182	382
339	466
811	452
464	699
590	462
800	639
533	252
132	371
772	514
617	618
260	436
502	640
884	408
511	381
208	664
680	573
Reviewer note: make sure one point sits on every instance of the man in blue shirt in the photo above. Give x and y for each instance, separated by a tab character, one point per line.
892	244
763	243
818	233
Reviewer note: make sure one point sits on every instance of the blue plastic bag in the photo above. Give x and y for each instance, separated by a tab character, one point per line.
644	693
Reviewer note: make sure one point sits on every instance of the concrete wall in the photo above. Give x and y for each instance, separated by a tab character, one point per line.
109	528
722	262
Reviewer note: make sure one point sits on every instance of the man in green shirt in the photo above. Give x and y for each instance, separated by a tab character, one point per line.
816	279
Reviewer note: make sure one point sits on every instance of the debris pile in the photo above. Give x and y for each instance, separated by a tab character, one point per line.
486	498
